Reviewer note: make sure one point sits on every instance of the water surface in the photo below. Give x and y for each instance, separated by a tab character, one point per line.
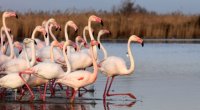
166	77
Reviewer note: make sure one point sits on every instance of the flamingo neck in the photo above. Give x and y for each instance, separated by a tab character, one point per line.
66	32
66	60
9	39
132	66
102	47
92	38
95	70
26	57
2	39
46	38
51	53
33	55
51	33
84	35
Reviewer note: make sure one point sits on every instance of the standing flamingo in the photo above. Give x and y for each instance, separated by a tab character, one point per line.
13	80
102	32
83	59
49	70
19	64
80	78
4	58
115	66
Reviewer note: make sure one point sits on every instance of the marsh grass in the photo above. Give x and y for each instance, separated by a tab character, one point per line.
148	25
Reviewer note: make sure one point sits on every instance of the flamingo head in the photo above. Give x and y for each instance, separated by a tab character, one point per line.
44	23
42	30
57	44
73	25
104	31
27	42
80	39
18	46
70	43
137	39
9	14
96	19
54	23
94	43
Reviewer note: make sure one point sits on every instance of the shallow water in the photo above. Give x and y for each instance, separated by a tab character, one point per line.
166	77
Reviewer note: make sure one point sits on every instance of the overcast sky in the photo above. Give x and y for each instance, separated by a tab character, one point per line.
160	6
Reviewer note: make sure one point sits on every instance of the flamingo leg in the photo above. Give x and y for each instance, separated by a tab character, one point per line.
106	86
67	91
73	96
40	92
32	95
2	94
44	94
125	94
22	91
52	90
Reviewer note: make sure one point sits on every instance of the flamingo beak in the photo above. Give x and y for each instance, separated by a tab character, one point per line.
16	16
142	43
20	51
99	46
4	42
101	22
35	42
76	31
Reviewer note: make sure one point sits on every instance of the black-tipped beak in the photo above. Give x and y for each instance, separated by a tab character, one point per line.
76	31
46	35
17	16
101	22
4	42
60	29
75	49
10	32
99	46
56	29
35	42
20	51
142	44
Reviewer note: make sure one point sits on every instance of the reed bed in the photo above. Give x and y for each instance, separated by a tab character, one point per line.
147	25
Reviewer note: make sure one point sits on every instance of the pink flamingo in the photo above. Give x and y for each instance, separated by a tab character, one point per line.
13	80
19	64
114	66
35	81
102	32
4	58
80	78
82	59
49	70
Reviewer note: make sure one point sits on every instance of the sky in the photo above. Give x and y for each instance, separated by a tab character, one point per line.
159	6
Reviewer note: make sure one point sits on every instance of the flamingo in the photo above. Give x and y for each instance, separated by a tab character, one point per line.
19	64
13	80
102	32
4	58
80	78
38	81
80	42
3	40
50	70
43	53
115	66
82	59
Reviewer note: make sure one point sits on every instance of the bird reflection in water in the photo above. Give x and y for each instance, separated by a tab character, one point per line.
110	104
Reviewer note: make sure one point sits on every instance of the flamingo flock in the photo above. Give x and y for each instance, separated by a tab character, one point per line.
35	62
